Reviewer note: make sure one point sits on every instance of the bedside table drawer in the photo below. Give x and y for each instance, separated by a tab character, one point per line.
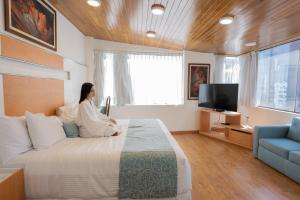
12	184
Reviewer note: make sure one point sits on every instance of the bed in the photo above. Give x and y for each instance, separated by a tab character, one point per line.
89	168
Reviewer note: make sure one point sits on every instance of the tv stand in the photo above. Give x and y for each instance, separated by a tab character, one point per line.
231	131
226	123
219	110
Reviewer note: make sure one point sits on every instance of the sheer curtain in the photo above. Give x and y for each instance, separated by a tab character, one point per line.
122	80
112	78
219	75
232	70
248	79
99	76
226	69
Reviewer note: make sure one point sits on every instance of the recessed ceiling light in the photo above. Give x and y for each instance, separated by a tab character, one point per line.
150	34
94	3
157	9
226	20
250	44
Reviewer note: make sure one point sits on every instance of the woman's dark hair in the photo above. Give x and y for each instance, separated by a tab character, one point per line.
85	90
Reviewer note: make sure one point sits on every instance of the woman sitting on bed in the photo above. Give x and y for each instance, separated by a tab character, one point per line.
91	122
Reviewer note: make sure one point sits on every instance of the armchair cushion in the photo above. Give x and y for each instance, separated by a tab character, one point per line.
294	132
268	131
295	157
280	146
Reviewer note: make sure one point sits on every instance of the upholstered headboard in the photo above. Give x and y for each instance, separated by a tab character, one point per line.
32	94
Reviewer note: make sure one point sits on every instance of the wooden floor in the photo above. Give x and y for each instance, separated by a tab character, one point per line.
226	171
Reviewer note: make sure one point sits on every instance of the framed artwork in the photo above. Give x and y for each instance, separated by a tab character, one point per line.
198	74
34	20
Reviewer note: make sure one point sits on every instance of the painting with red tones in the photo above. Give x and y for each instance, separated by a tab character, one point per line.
34	20
198	74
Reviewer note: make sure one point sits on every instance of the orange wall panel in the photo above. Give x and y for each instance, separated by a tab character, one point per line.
0	43
20	50
36	95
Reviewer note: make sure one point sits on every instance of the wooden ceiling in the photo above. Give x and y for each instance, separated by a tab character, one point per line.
188	24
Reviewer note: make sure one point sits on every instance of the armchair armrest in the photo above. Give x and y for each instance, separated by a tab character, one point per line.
269	131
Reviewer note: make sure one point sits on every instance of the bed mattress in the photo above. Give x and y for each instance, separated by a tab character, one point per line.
87	168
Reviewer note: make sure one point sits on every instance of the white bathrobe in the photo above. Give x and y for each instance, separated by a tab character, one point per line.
92	123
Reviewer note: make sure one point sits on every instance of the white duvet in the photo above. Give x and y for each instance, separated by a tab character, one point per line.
86	168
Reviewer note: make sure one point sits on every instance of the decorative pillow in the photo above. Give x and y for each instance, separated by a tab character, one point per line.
68	113
71	129
103	110
14	138
294	132
44	131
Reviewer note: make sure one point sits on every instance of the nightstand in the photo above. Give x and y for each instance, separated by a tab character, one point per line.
12	184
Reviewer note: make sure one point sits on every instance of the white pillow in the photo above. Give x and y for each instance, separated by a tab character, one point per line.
14	138
44	131
68	113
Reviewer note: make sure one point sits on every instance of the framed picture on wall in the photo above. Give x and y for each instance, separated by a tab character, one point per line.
198	74
34	20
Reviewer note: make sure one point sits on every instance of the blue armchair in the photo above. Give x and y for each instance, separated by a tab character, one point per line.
279	147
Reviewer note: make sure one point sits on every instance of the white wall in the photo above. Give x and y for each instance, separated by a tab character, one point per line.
259	116
70	45
177	118
77	75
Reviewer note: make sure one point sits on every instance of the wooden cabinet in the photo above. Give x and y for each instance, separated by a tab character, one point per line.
11	184
241	138
231	131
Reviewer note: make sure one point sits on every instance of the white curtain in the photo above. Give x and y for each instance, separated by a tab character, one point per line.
122	80
219	75
232	70
226	69
248	79
99	76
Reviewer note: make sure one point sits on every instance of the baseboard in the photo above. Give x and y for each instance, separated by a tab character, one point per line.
185	132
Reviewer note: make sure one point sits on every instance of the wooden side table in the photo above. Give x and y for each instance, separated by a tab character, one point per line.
12	184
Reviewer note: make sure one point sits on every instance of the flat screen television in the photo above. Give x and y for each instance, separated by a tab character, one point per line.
219	96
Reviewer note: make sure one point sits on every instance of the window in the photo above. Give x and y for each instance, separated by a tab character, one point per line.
156	79
278	77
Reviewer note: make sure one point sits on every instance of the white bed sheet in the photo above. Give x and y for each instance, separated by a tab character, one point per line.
87	168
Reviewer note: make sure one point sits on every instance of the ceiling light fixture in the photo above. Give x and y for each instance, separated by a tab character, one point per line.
250	44
94	3
226	20
157	9
150	34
